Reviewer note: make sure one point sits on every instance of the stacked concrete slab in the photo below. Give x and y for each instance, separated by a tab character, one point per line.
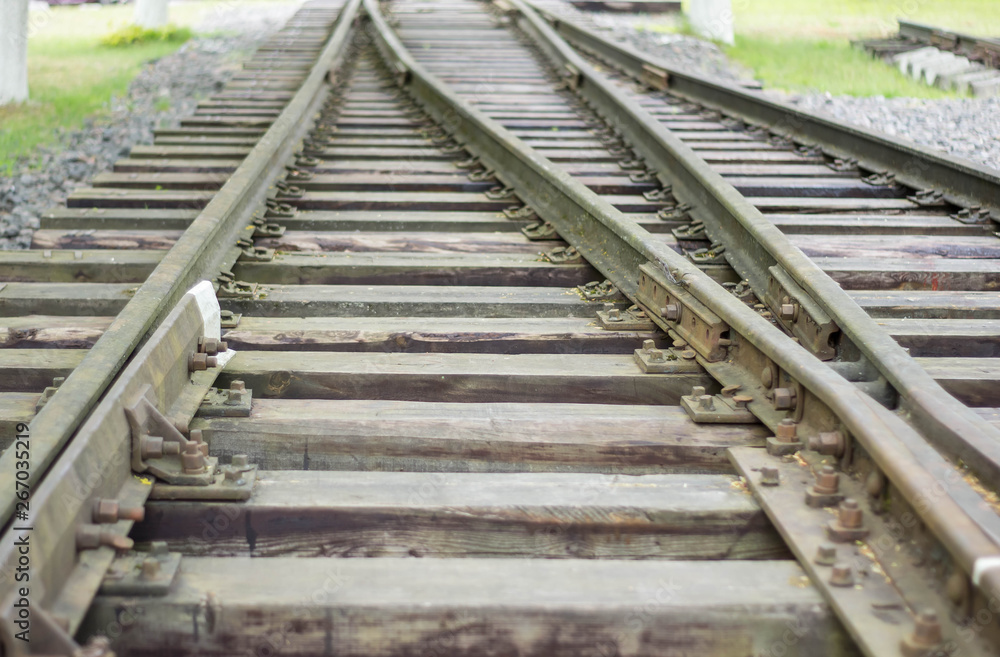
948	71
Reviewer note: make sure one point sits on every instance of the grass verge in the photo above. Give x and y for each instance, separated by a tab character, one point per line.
72	75
804	45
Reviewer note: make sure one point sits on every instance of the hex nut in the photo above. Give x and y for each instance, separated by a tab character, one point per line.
825	492
828	443
842	575
926	635
849	525
770	476
784	399
786	431
826	554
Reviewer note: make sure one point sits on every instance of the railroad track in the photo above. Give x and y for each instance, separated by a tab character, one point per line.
425	368
951	60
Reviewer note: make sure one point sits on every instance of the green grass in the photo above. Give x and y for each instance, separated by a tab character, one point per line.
824	66
804	45
131	35
72	76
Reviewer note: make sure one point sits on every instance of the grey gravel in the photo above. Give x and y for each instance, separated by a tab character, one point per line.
656	34
961	127
199	68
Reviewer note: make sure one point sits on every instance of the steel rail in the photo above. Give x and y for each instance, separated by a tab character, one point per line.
618	247
961	181
197	255
95	462
754	245
947	38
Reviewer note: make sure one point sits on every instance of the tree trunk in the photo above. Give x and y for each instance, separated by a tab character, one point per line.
712	19
13	51
151	13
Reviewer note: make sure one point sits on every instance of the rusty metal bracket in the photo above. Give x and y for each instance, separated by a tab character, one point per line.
500	193
228	319
160	449
278	210
251	253
725	408
563	255
600	291
799	314
230	288
691	319
653	360
632	318
972	215
928	198
142	573
520	212
262	228
539	231
866	572
235	401
665	194
710	255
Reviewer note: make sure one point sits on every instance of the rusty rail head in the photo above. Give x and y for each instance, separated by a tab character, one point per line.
617	247
194	257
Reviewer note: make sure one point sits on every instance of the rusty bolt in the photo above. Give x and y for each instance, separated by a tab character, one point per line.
729	391
150	568
614	315
788	311
827	481
849	525
196	435
233	397
198	362
766	377
786	431
706	402
697	391
741	401
770	476
211	346
241	461
193	459
238	385
828	443
671	312
89	537
154	447
784	399
108	511
925	637
826	554
159	548
688	354
842	575
850	515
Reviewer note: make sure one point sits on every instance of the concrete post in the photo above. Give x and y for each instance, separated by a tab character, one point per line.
712	19
13	51
151	14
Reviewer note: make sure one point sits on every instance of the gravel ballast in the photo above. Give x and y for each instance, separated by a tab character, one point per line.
199	68
961	127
